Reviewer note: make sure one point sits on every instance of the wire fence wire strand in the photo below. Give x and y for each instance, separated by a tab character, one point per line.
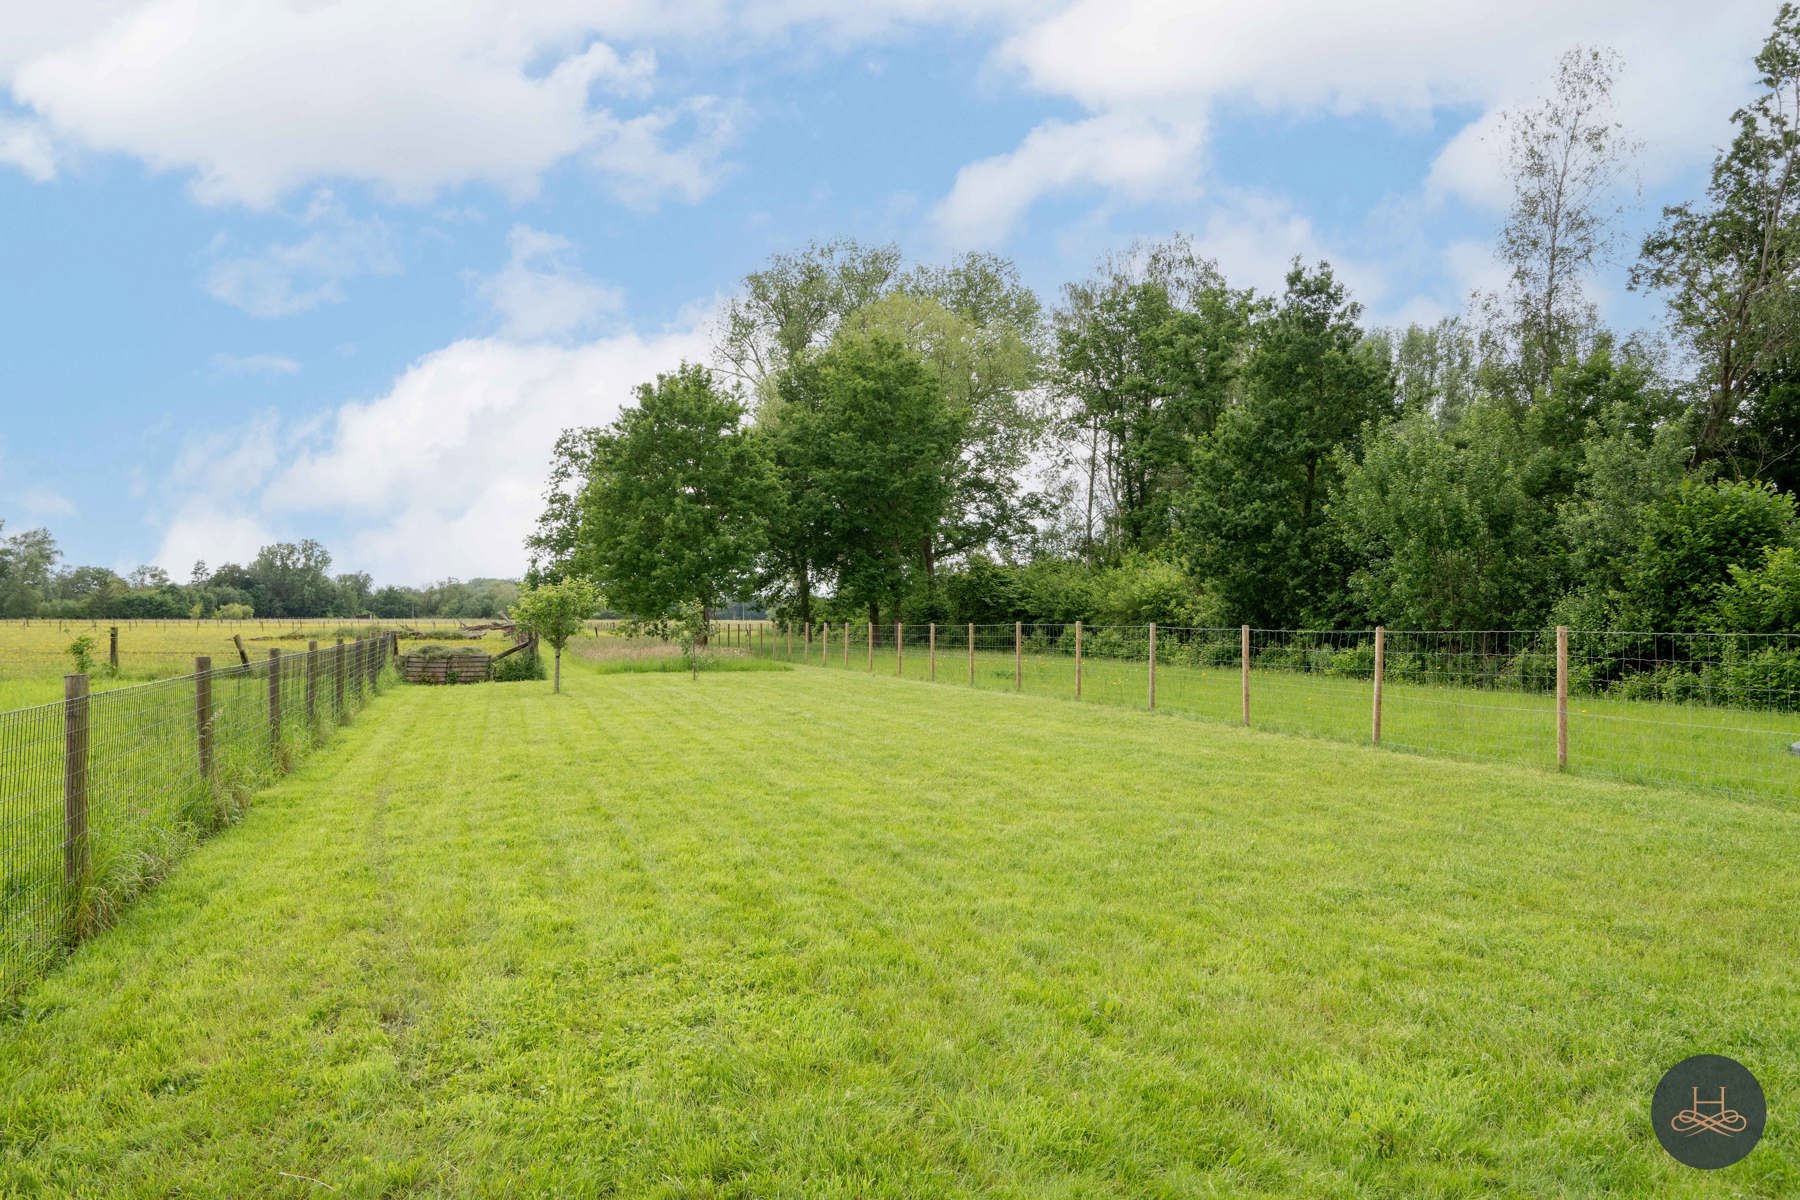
135	768
1709	712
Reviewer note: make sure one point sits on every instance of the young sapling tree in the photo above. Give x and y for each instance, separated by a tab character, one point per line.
556	613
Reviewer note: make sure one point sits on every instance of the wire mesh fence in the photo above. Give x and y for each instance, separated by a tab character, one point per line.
101	792
1716	712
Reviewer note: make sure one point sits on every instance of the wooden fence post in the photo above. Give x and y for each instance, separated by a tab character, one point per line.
1018	656
806	644
75	781
1078	660
846	645
824	643
312	685
871	646
1153	664
789	626
1380	670
243	654
275	703
1246	669
1562	697
112	652
899	648
203	736
932	635
337	680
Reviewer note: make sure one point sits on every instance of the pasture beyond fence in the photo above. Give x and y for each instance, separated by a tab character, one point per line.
101	792
1716	712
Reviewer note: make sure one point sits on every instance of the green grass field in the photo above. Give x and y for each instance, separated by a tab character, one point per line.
34	658
809	933
1730	750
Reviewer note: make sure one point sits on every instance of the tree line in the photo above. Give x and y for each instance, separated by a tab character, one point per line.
884	441
286	579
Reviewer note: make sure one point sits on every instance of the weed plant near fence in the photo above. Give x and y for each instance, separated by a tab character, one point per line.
102	791
1716	712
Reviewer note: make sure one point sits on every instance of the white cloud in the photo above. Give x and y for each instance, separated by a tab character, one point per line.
1127	153
441	475
1255	238
1474	267
1133	64
1395	57
1472	165
210	531
539	293
254	364
291	277
643	164
255	98
25	144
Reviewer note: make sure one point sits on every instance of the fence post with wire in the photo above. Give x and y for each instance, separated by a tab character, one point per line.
101	791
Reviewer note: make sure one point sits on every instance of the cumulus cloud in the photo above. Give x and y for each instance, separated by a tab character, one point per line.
210	531
1135	63
540	293
255	98
673	151
25	144
476	422
1127	153
284	278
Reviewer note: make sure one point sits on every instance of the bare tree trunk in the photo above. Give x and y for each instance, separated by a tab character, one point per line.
557	686
1093	466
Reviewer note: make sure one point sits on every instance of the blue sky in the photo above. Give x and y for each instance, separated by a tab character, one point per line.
334	270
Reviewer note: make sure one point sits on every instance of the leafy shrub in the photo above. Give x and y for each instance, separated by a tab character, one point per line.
1763	599
1142	589
81	652
515	668
1766	678
1353	662
1118	643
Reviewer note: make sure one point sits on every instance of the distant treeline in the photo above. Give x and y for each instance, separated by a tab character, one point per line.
880	441
284	580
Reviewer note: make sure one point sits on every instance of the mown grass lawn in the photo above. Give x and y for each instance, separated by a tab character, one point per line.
1710	748
810	933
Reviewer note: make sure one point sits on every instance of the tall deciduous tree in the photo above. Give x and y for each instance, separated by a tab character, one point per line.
1252	523
551	547
673	507
1729	266
1443	526
1566	157
985	357
867	428
289	579
1146	356
26	559
793	306
1436	368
